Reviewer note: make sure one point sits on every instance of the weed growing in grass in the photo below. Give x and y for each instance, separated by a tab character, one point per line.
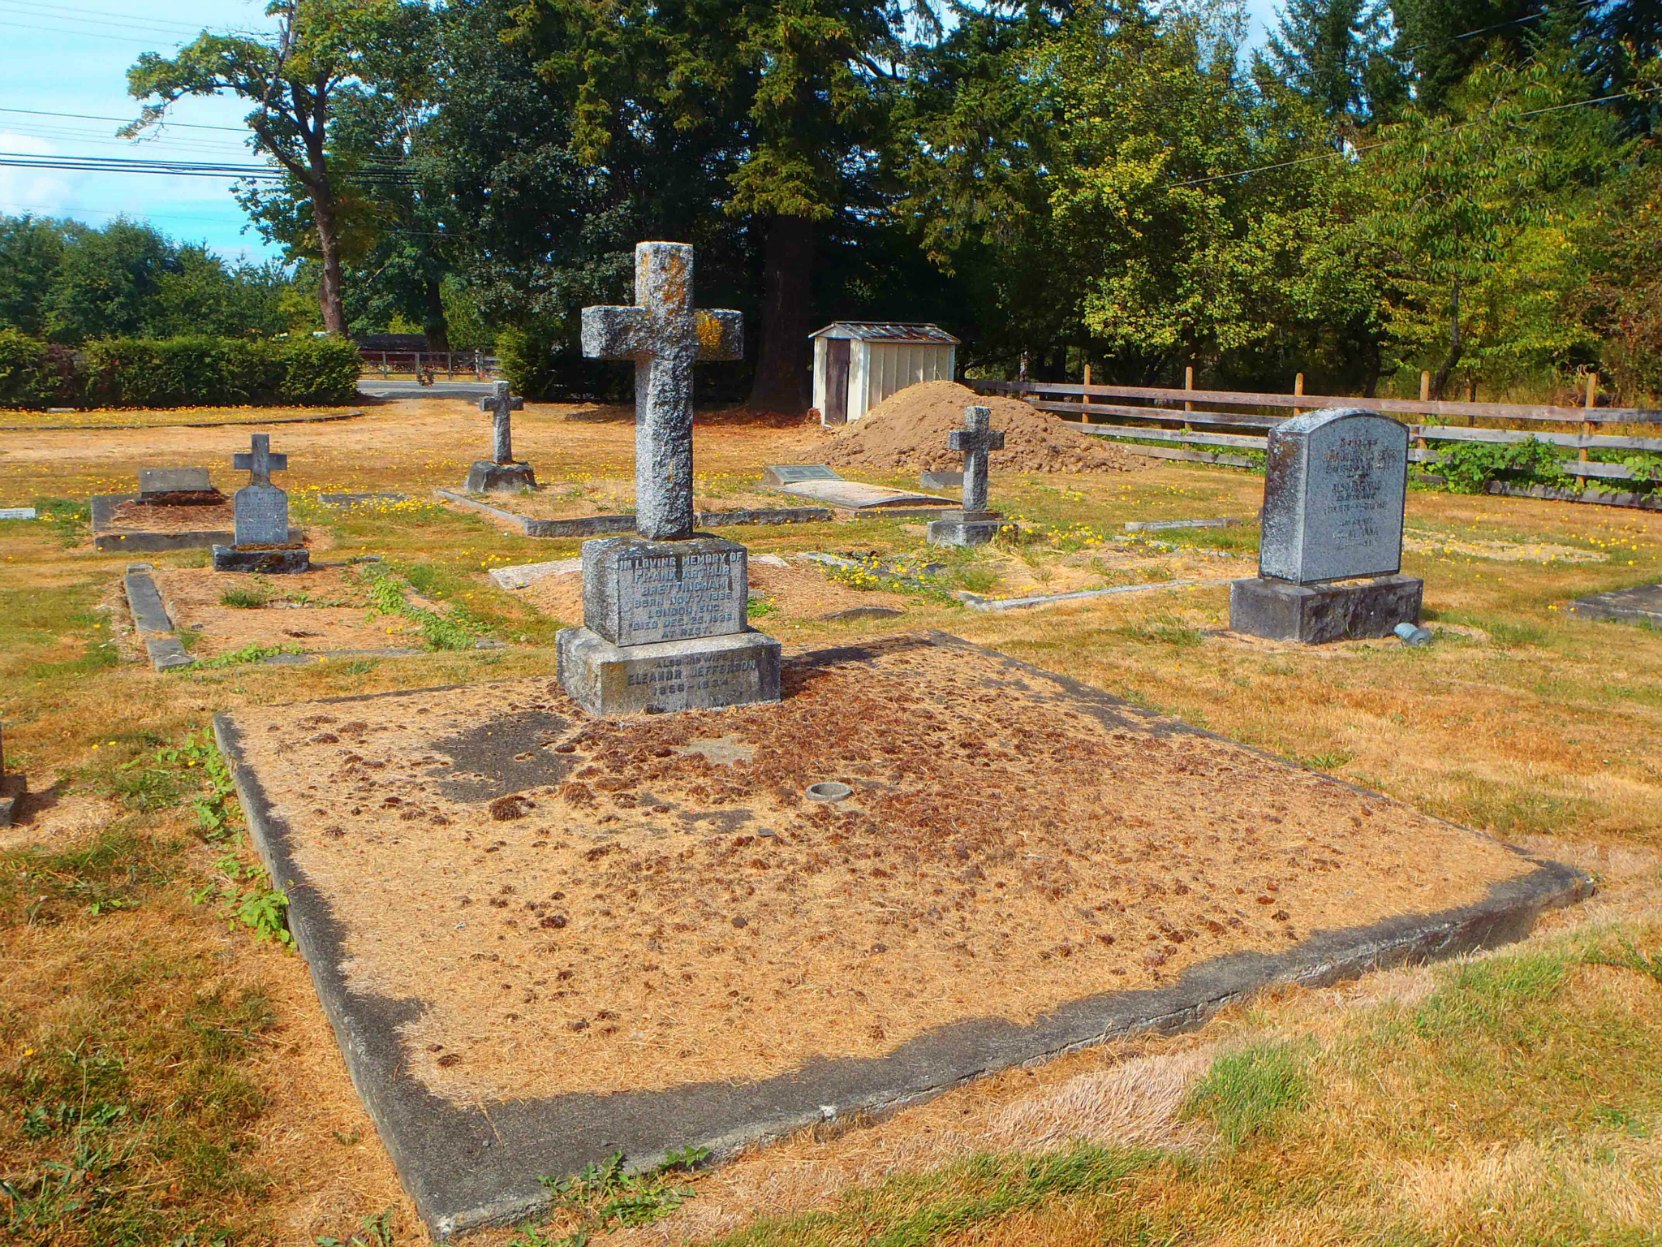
375	1231
241	657
118	869
456	631
870	571
240	892
66	517
1629	956
603	1195
251	598
1251	1092
1330	761
759	607
1166	630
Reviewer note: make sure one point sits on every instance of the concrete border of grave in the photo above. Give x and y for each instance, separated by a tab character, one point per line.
1641	604
137	541
605	525
151	622
466	1169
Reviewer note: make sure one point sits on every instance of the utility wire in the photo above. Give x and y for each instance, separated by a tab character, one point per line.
184	125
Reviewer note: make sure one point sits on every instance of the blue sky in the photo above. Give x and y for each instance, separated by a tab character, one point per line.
73	58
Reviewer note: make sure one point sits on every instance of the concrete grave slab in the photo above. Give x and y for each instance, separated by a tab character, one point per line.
517	995
858	496
18	513
794	473
1639	605
151	621
1161	526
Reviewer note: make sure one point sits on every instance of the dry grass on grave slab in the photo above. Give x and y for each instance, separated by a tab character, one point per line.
643	904
323	609
160	517
1521	719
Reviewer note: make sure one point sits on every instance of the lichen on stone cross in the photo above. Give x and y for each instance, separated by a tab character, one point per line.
501	404
664	334
259	462
976	439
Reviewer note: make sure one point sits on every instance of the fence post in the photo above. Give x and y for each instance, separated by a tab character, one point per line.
1298	386
1592	400
1188	384
1086	398
1425	397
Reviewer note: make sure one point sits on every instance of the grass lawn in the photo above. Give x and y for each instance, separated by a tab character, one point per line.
166	1075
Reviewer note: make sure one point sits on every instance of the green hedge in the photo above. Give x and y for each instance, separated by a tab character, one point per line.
176	372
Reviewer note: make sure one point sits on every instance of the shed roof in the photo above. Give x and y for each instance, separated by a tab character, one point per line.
886	331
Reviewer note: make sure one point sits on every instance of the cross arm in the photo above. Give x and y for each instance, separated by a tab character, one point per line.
244	462
615	332
720	334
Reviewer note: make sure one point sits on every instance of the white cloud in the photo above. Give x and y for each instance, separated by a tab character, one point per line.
43	192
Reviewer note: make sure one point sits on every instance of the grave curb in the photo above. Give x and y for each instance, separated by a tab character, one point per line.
110	540
1620	606
467	1169
606	525
151	623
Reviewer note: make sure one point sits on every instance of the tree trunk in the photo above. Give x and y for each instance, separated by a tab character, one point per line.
328	246
433	322
1456	346
781	382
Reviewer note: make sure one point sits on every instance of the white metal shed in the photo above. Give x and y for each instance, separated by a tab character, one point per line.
859	363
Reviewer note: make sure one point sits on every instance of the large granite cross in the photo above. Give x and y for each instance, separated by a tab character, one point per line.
975	440
502	404
664	335
260	463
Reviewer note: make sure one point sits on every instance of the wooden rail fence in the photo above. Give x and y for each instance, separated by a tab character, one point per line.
1188	419
385	364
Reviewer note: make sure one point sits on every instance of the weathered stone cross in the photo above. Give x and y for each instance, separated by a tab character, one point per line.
260	463
502	404
664	335
976	439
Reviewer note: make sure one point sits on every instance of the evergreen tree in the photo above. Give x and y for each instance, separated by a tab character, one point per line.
1336	53
1440	41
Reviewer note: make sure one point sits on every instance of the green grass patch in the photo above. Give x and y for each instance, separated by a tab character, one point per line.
1249	1093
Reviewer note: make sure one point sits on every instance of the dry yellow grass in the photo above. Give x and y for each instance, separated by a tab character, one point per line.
1521	719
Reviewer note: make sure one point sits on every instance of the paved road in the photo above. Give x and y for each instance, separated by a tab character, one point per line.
371	388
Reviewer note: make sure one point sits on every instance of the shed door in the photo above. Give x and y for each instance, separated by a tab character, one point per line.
836	381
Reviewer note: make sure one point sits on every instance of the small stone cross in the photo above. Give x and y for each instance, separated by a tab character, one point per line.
260	463
975	440
664	335
502	403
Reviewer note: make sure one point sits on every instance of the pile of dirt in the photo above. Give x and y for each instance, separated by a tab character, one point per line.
909	430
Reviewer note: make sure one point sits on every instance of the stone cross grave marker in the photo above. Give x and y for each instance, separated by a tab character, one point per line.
664	334
665	621
262	516
1335	485
500	473
974	525
502	404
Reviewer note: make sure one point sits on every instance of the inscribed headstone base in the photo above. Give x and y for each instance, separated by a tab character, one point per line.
701	674
487	477
957	529
268	560
640	592
1317	614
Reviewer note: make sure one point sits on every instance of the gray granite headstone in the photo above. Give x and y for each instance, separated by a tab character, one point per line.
160	481
262	516
1334	491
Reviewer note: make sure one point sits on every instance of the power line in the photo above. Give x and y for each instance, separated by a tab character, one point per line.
183	125
104	15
